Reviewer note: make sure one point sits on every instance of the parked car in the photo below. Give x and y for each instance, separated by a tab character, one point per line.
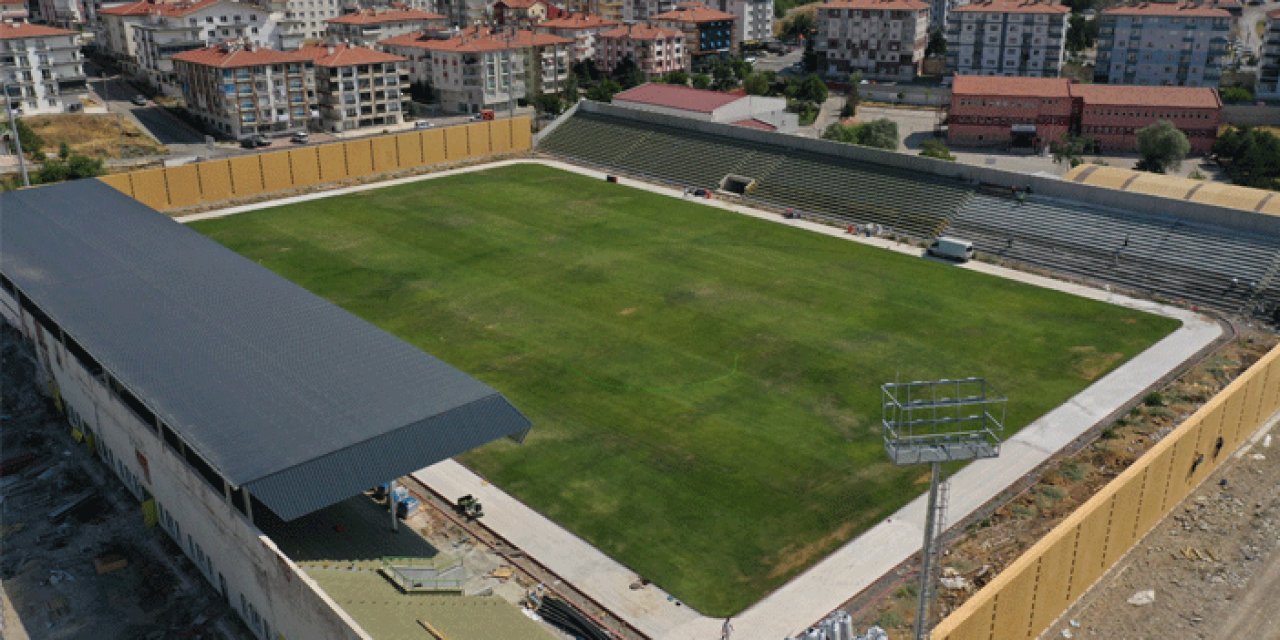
139	100
301	137
254	141
422	124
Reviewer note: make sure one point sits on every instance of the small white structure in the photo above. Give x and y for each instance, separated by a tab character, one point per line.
754	112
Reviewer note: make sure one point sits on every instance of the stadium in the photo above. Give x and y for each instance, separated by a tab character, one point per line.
703	376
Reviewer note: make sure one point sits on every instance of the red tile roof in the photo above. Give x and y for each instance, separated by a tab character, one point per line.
519	4
22	3
877	5
752	123
476	40
1128	96
1011	87
675	96
345	55
15	30
227	56
641	32
370	16
1274	15
693	13
1013	6
578	21
1168	9
158	7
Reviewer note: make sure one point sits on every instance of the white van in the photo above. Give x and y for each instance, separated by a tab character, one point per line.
951	249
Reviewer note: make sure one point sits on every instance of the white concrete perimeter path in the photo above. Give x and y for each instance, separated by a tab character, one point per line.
850	569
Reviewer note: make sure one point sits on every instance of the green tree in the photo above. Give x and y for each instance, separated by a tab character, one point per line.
701	81
799	25
881	133
72	167
586	71
422	92
547	103
604	91
679	76
628	74
1070	149
1162	147
937	44
571	89
1082	33
1250	157
64	150
811	89
837	132
722	77
934	148
32	143
854	96
1237	94
756	84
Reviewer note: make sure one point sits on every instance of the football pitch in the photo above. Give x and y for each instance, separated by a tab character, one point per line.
704	386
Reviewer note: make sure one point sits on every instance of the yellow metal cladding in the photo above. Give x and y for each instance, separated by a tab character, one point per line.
1040	584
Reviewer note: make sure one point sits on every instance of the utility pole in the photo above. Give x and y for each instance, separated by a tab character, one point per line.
17	139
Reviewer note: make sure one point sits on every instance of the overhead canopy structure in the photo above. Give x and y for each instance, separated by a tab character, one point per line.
278	390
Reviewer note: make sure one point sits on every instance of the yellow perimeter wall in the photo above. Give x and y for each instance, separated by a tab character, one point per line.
1025	598
251	175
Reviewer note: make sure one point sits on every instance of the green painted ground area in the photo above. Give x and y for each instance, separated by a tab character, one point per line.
704	385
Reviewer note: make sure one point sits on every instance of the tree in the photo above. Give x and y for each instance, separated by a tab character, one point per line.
422	92
32	143
1162	147
586	71
571	89
72	167
679	76
627	73
811	89
854	96
1237	94
1082	33
937	44
933	148
1250	157
64	150
722	77
756	84
881	133
548	103
701	81
604	91
1070	149
799	25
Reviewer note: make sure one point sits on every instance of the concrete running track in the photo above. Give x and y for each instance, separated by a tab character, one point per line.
853	567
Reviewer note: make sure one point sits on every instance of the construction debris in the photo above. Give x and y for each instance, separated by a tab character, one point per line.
1143	598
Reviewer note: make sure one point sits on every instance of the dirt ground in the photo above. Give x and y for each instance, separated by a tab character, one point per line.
146	588
105	136
975	555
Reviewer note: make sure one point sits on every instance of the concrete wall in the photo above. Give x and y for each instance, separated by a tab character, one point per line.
1251	115
1132	203
246	176
1025	599
274	597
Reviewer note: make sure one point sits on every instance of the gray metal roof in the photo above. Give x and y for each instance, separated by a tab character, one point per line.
279	390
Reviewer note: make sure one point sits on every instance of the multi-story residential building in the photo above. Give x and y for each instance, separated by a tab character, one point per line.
521	12
303	21
1112	114
463	13
173	27
358	86
607	9
1269	64
641	10
1034	112
582	28
1007	38
242	90
13	10
753	19
655	50
882	39
479	69
41	67
368	26
709	35
63	13
1179	44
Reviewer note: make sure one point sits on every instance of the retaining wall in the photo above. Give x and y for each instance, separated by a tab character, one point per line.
246	176
1032	592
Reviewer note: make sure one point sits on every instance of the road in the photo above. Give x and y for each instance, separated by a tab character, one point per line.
164	127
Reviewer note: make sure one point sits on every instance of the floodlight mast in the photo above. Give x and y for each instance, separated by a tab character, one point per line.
937	421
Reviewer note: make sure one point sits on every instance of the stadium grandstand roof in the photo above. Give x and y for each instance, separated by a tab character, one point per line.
1202	191
674	96
278	390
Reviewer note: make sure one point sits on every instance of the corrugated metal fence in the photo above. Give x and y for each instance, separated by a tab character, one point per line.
1025	598
304	166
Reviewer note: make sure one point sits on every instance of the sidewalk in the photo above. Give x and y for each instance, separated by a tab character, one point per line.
860	562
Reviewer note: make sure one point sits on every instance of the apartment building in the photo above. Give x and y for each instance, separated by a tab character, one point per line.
42	68
582	28
13	10
881	39
182	26
524	13
243	90
1173	44
709	35
1269	64
358	86
463	13
367	26
62	13
1007	38
752	19
480	69
303	21
606	9
655	50
641	10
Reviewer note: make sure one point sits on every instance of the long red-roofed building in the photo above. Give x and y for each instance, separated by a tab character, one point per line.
881	39
753	112
1034	112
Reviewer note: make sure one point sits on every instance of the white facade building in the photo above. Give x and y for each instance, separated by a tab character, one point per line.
368	26
241	91
582	28
42	67
1182	44
358	87
1008	38
185	27
753	19
304	21
64	13
881	39
1269	64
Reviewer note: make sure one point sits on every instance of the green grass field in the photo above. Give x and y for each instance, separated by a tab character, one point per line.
704	386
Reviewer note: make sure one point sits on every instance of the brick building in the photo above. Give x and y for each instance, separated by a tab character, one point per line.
1033	112
656	51
882	39
1173	44
1007	38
